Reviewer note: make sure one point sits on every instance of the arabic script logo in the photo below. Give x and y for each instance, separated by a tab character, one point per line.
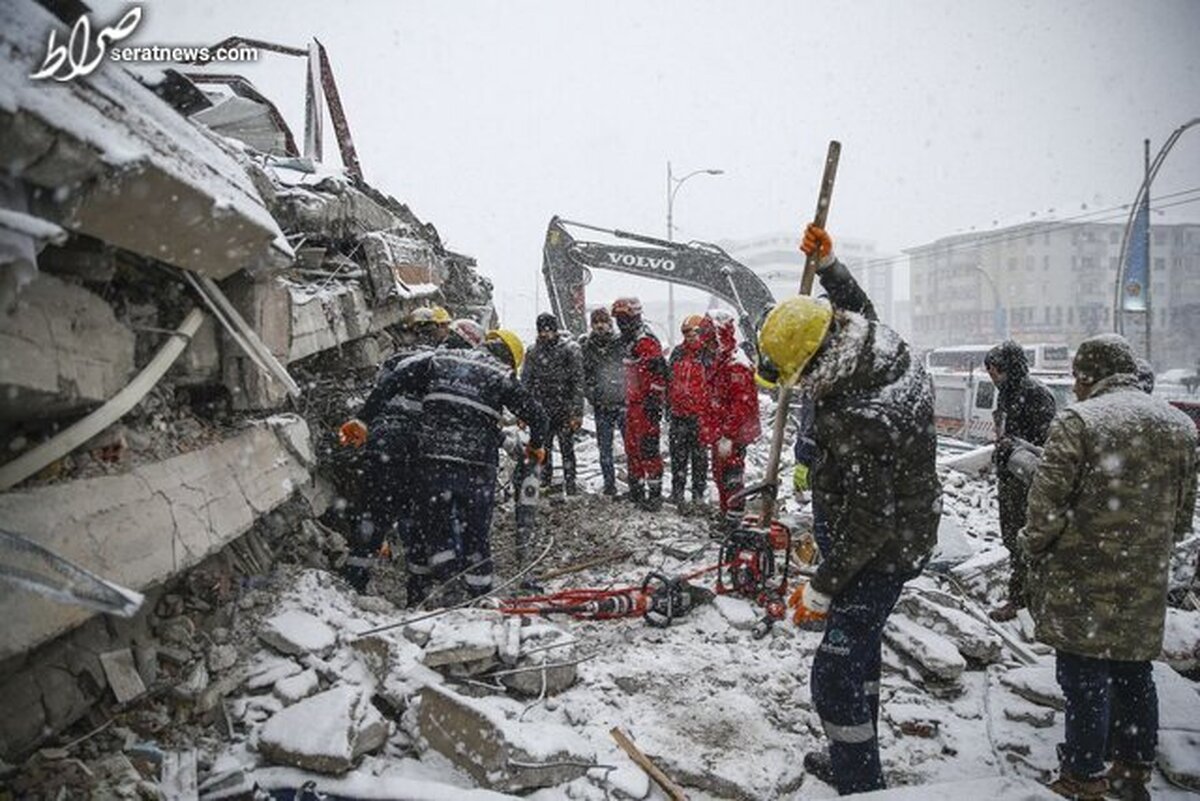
80	56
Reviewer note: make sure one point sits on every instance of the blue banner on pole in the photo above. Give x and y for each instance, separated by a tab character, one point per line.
1134	292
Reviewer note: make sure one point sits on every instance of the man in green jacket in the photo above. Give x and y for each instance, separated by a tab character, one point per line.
1115	489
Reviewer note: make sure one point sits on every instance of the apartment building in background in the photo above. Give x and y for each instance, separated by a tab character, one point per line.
1054	282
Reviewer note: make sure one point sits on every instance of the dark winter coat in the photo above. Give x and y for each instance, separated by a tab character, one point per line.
873	425
1024	406
403	410
603	370
553	373
463	395
1115	488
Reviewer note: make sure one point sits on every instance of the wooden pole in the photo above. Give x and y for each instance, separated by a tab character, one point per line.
644	762
771	494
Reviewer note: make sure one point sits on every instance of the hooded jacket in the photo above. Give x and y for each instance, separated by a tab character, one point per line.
1025	406
603	370
873	426
553	372
733	404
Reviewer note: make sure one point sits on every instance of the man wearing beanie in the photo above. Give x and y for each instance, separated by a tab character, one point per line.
553	374
604	388
1115	489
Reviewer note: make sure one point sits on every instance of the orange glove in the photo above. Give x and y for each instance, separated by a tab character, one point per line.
537	454
808	605
816	239
576	423
353	433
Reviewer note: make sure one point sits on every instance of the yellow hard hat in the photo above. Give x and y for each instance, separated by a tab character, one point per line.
515	346
441	316
792	333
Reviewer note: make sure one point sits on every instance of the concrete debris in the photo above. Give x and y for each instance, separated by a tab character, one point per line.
269	670
936	657
222	658
462	645
298	633
499	754
122	675
974	639
1177	758
298	687
1035	683
1181	640
738	612
1003	788
325	733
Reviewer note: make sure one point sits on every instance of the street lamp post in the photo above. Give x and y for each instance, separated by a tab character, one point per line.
999	313
673	185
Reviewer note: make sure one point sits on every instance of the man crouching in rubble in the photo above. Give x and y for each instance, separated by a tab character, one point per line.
463	394
875	476
1115	487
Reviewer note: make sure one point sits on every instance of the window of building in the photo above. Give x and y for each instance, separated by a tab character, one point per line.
1160	237
985	395
1058	315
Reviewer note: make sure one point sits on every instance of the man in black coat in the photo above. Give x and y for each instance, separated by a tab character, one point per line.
1024	410
604	387
553	374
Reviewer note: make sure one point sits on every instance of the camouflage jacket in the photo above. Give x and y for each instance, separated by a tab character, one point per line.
1115	488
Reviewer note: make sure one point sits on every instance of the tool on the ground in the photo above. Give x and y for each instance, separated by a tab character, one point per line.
748	565
659	600
33	567
673	790
528	473
771	478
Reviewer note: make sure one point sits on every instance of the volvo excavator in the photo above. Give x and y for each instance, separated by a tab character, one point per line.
567	263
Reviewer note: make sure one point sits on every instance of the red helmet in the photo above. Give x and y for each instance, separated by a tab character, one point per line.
627	307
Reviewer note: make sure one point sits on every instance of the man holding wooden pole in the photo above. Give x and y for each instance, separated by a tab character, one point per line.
876	478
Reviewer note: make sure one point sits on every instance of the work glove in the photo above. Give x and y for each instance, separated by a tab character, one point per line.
535	454
1003	450
724	447
816	239
800	478
353	433
808	605
576	423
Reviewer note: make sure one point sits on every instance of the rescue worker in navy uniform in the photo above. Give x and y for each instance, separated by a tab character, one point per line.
553	373
1024	410
388	499
645	399
604	388
464	394
875	477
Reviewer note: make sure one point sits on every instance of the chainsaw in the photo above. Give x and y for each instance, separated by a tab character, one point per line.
659	600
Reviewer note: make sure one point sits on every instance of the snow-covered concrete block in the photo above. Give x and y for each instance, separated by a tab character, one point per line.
144	526
297	633
62	350
738	612
973	638
1035	683
267	671
325	733
326	319
266	307
1181	640
1178	701
935	656
1179	757
461	644
500	754
298	687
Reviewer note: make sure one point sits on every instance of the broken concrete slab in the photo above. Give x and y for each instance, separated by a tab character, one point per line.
1177	758
62	351
122	674
1178	702
738	612
265	672
462	643
297	633
500	754
935	656
1181	639
1035	683
265	305
973	639
327	318
298	687
325	733
141	527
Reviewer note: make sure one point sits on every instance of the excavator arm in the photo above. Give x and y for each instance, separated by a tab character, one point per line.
567	263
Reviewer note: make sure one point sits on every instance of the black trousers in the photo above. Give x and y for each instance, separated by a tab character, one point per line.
683	442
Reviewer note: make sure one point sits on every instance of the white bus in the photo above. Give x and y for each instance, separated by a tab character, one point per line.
1042	357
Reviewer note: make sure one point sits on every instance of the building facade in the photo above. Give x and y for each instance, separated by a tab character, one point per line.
1054	282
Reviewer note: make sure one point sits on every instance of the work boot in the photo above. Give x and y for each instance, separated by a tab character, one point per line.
572	488
1079	788
677	499
637	492
1129	781
818	765
1003	614
610	490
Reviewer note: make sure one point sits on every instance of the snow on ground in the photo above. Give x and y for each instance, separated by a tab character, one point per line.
726	715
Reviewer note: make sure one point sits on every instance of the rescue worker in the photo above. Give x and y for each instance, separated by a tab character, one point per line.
1116	488
876	479
464	334
1024	409
645	396
688	400
423	328
441	324
806	453
553	373
734	419
604	388
388	500
464	394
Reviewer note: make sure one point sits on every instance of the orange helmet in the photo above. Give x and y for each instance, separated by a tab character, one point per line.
627	307
693	322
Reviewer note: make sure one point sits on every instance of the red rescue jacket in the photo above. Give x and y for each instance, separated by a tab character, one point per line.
733	395
688	392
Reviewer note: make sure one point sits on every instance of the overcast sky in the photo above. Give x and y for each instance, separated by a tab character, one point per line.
489	117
